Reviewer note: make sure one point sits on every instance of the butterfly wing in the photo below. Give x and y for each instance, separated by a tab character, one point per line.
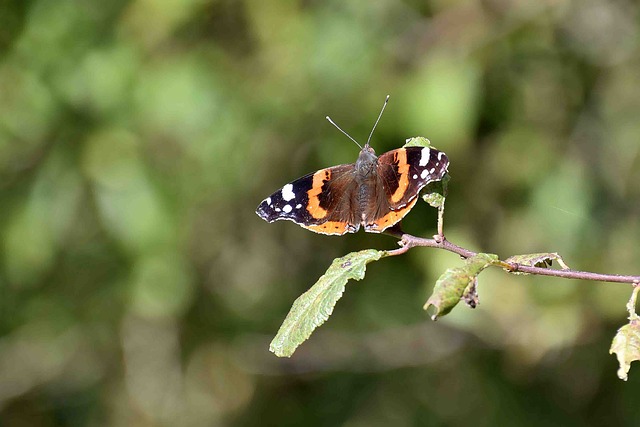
402	173
321	201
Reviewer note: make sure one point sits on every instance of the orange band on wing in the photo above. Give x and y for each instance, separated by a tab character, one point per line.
389	219
400	158
313	207
329	227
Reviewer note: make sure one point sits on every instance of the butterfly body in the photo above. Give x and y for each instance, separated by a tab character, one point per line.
374	192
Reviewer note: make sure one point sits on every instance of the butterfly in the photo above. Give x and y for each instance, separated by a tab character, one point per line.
375	192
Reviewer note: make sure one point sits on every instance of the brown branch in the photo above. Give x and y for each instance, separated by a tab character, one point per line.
407	241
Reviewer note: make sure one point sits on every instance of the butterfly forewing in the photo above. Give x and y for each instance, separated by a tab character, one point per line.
406	171
320	201
402	173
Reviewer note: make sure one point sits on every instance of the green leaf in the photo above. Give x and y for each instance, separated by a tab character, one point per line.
457	283
435	192
314	307
626	346
542	260
417	141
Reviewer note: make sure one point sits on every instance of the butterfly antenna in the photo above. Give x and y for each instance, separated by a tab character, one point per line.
348	136
379	115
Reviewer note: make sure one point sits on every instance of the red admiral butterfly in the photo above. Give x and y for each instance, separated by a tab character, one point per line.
375	192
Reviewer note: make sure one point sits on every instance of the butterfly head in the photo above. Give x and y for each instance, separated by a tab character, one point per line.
367	161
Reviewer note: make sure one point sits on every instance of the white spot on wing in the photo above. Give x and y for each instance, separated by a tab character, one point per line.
277	209
432	170
424	174
287	192
268	200
424	156
287	208
440	154
415	176
298	206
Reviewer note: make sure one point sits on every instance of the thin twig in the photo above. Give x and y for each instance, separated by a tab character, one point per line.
407	241
441	220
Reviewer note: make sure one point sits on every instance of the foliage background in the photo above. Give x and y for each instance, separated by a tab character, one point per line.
138	287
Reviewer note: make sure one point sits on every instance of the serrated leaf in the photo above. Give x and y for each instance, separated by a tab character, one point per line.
314	307
543	260
417	141
456	283
626	346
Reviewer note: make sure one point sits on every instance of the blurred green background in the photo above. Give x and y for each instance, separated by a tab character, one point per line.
139	288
